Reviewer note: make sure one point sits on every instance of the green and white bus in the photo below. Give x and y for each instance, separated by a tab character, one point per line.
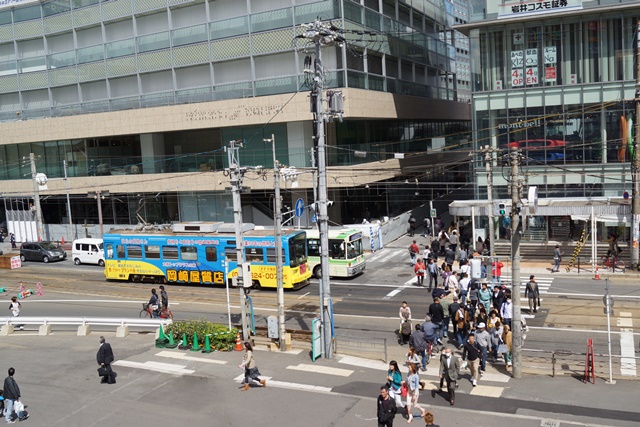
346	255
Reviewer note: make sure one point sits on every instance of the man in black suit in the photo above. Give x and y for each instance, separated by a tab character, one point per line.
105	359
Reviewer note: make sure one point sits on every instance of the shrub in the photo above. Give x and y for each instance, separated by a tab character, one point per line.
220	337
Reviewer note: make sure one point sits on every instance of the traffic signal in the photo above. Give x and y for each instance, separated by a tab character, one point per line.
502	209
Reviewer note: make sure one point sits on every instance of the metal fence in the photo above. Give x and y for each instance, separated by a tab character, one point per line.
371	348
559	362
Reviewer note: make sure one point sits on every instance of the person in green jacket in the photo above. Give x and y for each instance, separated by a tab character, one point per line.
484	297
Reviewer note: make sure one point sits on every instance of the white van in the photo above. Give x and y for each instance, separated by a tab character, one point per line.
88	251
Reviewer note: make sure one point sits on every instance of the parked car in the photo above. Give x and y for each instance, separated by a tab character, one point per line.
539	150
41	251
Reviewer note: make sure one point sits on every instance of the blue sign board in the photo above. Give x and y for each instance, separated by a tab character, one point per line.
314	218
299	207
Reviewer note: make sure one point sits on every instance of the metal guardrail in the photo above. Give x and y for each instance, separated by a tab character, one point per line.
567	360
356	346
78	321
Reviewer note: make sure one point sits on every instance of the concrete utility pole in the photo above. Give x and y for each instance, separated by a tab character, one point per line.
492	233
66	184
516	326
635	166
323	34
277	227
36	198
236	174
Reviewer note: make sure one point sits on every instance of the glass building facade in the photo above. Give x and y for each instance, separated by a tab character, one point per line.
67	59
559	86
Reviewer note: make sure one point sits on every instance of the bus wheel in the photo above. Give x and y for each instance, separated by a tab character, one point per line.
136	278
256	284
317	272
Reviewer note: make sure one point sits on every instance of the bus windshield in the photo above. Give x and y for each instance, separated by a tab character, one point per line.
298	250
354	249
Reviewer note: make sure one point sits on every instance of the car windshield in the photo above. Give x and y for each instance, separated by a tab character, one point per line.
48	246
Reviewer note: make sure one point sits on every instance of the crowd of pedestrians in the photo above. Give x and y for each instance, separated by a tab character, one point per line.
469	321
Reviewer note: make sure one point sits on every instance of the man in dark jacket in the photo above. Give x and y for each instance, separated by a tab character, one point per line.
453	308
419	343
386	408
532	292
11	394
497	297
472	353
105	359
437	314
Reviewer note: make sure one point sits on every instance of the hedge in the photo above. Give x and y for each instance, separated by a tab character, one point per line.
220	337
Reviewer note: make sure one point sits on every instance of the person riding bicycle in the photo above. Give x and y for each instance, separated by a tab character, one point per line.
154	304
164	297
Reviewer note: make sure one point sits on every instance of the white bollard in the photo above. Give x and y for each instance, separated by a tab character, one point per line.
6	330
44	330
122	331
84	330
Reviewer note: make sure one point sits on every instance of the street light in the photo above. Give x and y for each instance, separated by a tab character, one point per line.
277	222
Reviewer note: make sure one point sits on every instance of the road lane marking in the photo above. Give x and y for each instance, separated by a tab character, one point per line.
318	369
302	296
364	363
288	385
183	356
401	288
104	301
168	368
627	345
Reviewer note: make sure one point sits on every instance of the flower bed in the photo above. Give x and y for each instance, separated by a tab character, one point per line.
220	337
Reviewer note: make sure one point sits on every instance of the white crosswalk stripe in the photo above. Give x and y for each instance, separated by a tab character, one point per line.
544	283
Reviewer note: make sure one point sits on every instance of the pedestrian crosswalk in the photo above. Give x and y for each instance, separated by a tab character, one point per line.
300	376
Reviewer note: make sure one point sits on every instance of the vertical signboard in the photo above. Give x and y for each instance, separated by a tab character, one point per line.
550	60
531	67
517	68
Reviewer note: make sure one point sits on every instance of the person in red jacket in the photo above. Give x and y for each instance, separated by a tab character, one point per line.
496	270
414	250
420	269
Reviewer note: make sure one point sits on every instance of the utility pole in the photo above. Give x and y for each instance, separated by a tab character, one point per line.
66	184
277	222
516	325
236	174
323	34
492	233
36	198
635	166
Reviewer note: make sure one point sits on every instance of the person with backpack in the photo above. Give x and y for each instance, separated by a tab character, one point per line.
412	225
418	341
11	394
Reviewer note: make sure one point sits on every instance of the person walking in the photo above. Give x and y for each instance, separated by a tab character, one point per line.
472	354
449	257
405	323
428	419
496	270
250	369
484	341
437	317
432	267
12	239
484	297
414	251
506	311
164	298
449	371
15	307
11	394
386	408
532	292
507	338
557	259
420	270
412	225
496	338
454	239
105	359
394	383
426	226
418	341
413	392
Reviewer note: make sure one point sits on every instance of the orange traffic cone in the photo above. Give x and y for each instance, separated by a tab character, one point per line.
63	240
597	274
238	343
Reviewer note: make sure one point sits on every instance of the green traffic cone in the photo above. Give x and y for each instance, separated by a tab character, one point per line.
184	345
207	345
161	335
195	346
2	290
171	343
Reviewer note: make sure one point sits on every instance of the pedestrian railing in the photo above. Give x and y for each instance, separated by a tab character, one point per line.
372	348
83	321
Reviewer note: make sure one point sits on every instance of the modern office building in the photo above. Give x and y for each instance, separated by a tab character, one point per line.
140	97
557	80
